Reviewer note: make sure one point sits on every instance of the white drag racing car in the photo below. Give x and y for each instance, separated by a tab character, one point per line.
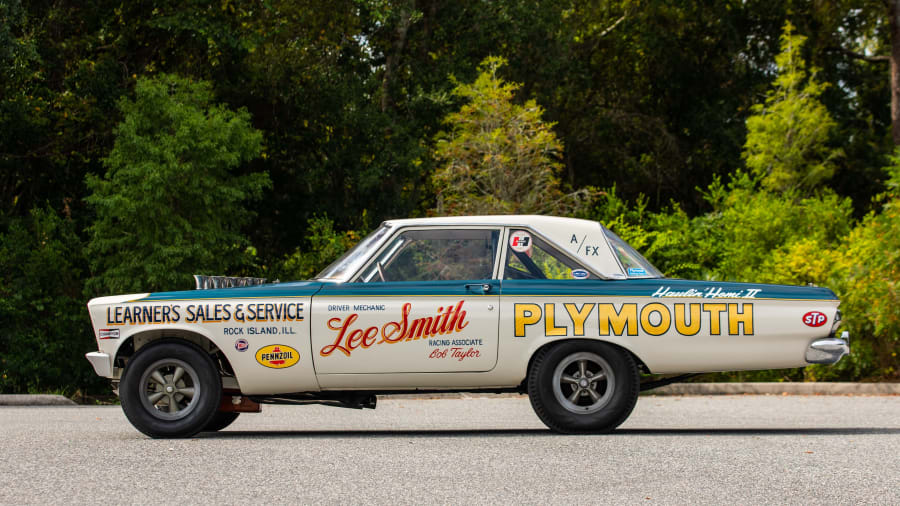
558	308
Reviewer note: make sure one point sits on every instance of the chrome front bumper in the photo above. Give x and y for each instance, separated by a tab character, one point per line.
101	363
828	350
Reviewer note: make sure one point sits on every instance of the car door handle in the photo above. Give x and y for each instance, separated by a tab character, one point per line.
478	287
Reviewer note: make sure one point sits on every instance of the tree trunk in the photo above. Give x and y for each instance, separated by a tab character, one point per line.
894	15
393	58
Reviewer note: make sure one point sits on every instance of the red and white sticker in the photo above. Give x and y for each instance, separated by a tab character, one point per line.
108	334
814	319
520	241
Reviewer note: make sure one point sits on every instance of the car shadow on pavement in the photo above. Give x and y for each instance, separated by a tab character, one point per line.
256	434
400	433
794	431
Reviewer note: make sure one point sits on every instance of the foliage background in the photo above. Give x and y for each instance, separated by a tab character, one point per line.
141	142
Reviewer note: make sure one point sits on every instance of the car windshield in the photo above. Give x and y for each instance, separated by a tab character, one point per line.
634	265
353	259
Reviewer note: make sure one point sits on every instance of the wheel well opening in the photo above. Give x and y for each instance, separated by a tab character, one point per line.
138	341
642	367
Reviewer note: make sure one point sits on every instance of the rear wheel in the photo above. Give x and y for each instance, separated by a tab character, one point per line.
221	420
170	389
583	386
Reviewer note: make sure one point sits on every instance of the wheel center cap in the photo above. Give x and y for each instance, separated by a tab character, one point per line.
583	383
170	389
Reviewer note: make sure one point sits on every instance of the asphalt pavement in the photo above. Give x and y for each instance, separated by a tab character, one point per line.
744	449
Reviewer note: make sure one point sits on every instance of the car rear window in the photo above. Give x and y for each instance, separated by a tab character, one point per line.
634	265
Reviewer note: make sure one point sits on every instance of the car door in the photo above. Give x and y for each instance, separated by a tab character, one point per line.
547	294
427	302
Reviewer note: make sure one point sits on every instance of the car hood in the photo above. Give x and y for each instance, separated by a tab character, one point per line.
270	290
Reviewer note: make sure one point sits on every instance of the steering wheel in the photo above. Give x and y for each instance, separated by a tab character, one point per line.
380	271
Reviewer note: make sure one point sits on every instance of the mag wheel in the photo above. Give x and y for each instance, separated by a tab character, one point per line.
170	389
583	386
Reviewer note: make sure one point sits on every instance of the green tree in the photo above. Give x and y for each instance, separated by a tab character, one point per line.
170	204
322	246
787	136
46	330
499	157
870	278
311	82
752	235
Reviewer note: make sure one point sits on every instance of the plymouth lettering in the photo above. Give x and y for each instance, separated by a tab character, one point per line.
629	319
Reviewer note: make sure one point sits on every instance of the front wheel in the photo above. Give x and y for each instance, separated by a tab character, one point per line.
583	386
170	390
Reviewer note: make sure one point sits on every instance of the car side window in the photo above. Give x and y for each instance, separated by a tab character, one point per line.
432	255
529	257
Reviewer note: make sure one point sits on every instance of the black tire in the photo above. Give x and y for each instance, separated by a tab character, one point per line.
221	420
587	406
161	405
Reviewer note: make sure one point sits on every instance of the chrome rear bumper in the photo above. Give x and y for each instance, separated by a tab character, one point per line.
828	350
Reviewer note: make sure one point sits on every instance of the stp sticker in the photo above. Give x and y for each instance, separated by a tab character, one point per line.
277	356
520	241
241	345
580	274
814	319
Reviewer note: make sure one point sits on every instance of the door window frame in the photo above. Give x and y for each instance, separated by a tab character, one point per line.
495	271
507	231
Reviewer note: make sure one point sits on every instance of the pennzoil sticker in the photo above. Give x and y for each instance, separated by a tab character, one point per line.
277	356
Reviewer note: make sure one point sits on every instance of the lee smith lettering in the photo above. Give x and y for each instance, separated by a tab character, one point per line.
707	293
448	320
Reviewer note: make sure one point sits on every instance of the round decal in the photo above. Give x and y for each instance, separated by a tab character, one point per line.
241	345
580	274
520	241
814	319
277	356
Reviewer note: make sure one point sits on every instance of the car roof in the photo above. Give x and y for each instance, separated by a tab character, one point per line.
533	220
582	239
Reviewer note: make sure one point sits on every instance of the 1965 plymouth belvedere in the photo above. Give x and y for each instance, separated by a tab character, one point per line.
559	308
